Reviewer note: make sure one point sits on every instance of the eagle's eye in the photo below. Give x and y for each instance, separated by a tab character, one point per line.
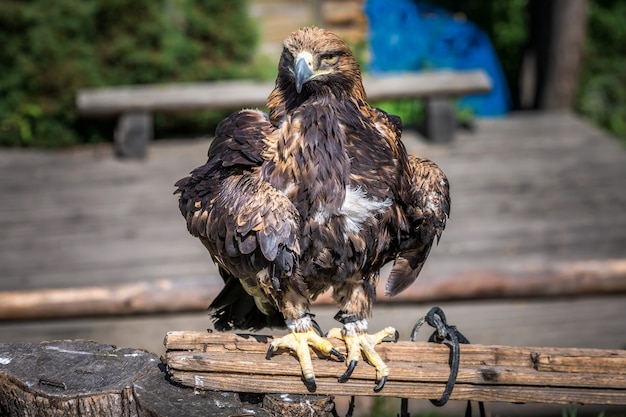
328	60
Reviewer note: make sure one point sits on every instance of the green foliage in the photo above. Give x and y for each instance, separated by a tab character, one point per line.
411	111
569	412
52	49
384	407
602	92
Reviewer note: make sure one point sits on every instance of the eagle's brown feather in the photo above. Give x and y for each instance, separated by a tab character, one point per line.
320	193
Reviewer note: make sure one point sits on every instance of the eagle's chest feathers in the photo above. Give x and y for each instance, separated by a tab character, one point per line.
312	166
358	208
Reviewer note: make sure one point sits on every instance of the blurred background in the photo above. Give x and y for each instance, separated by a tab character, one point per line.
541	54
93	246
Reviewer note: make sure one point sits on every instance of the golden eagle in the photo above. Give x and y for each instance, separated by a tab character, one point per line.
319	193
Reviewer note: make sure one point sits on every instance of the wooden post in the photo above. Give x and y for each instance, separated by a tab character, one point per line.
133	132
557	37
210	361
440	123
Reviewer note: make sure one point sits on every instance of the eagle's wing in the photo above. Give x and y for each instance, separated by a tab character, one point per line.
246	224
423	205
391	122
427	208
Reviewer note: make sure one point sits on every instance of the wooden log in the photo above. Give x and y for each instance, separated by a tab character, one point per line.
602	277
70	378
210	361
164	296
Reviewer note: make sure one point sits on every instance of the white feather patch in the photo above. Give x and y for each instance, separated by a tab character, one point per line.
357	208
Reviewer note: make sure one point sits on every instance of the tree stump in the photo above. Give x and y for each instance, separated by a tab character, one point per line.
83	378
157	397
294	405
70	378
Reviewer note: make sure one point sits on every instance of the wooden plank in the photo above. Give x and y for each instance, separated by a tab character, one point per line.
426	84
243	93
191	96
211	361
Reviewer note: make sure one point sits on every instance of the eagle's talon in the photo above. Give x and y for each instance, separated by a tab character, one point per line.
379	386
337	354
310	384
270	350
299	343
361	346
346	375
396	337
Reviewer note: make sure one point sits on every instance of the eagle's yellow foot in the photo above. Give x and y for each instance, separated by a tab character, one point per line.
299	341
360	344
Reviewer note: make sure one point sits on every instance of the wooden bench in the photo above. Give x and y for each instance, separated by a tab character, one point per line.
136	104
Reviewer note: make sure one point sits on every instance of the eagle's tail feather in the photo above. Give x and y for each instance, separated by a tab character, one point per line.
235	309
406	268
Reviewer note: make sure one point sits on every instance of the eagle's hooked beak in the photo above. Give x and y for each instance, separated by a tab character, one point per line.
303	69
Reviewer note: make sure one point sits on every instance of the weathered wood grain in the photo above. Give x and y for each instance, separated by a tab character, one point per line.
418	370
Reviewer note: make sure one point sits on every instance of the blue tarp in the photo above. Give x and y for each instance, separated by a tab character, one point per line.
405	35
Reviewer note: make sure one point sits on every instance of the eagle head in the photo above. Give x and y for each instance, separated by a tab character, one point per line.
316	61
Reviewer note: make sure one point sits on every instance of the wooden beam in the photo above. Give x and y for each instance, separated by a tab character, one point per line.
245	93
605	277
210	361
426	84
